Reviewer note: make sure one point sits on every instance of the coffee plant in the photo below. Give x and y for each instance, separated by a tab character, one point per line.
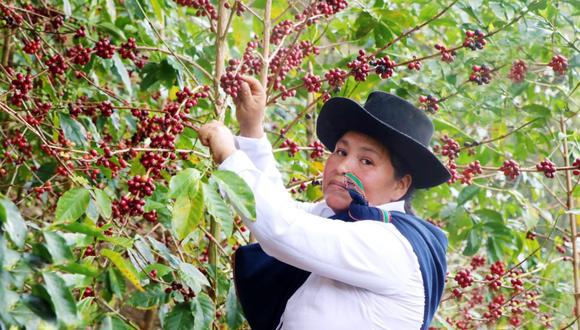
110	211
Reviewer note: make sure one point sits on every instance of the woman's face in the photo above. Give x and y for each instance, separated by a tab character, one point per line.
366	158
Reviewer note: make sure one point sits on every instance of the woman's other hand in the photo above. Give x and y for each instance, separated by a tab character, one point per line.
250	106
219	139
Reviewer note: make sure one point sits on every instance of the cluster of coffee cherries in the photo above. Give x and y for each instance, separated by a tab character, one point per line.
190	99
469	173
318	149
238	7
231	81
128	50
79	55
474	40
454	174
104	48
89	292
203	7
518	71
450	147
10	17
32	46
281	30
464	278
141	185
336	77
128	206
480	74
559	64
56	65
384	67
511	169
548	167
251	62
415	64
447	55
19	144
301	187
20	86
286	59
312	82
89	252
576	164
429	103
187	293
292	147
106	108
360	66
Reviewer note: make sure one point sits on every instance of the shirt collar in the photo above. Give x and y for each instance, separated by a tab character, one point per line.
326	211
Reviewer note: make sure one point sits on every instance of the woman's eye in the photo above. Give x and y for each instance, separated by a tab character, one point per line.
340	152
366	162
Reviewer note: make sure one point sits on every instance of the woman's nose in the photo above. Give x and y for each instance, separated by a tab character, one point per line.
344	166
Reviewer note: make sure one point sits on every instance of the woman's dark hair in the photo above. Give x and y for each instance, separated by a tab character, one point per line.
401	169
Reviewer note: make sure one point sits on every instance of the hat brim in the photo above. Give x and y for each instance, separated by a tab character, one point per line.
339	115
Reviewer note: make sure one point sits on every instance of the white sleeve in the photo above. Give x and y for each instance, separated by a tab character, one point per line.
366	254
260	153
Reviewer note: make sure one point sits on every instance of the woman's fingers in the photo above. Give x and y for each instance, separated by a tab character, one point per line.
206	131
254	85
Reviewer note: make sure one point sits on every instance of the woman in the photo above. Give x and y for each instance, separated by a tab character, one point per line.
379	268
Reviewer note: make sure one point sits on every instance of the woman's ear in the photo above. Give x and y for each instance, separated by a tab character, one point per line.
402	186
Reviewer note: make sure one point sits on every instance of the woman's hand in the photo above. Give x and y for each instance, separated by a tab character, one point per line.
219	139
250	106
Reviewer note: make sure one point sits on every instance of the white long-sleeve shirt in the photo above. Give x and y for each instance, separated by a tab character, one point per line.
365	274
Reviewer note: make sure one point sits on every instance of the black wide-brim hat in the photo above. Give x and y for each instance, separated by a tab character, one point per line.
396	123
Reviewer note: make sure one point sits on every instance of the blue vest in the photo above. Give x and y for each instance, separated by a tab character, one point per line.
264	284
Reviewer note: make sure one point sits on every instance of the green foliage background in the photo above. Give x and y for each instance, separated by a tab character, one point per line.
44	273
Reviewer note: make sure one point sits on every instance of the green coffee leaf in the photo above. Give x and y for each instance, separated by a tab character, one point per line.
187	213
62	299
59	250
12	222
73	130
103	203
126	268
183	182
238	192
72	205
179	318
218	208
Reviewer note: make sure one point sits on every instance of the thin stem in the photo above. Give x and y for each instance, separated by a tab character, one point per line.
418	27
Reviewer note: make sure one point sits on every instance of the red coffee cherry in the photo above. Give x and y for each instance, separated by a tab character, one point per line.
547	167
360	67
464	278
318	149
292	147
415	65
336	77
447	55
429	103
450	148
56	65
559	64
477	261
384	67
79	55
104	48
32	46
281	30
518	71
474	40
312	83
511	169
480	74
